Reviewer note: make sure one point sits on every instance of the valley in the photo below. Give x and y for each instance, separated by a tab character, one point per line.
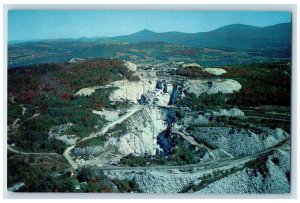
157	128
149	101
223	46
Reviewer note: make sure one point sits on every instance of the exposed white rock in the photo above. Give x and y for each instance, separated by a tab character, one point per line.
158	97
284	158
134	84
136	74
76	60
130	66
143	129
188	120
108	115
130	90
133	90
276	181
86	91
139	139
162	181
279	133
58	132
215	71
250	181
225	86
191	65
149	74
240	182
234	112
239	141
154	181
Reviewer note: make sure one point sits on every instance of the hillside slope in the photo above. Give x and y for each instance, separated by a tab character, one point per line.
233	44
235	36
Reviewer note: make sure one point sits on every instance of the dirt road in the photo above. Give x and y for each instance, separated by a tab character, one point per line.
131	112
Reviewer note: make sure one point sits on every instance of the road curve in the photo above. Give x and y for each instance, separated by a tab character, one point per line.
66	153
212	164
69	158
30	153
113	124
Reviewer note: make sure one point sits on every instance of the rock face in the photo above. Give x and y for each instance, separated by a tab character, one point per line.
160	181
130	90
215	71
239	141
137	91
190	65
240	182
130	66
166	143
142	131
225	86
245	180
155	181
189	120
76	60
85	91
234	112
251	181
278	166
176	92
149	91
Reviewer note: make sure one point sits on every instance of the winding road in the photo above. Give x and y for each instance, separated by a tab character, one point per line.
131	112
67	151
215	162
31	153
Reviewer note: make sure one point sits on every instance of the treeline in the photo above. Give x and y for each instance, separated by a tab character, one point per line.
193	72
203	101
48	90
262	84
60	79
39	177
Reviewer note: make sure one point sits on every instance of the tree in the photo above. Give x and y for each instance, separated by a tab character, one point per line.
85	174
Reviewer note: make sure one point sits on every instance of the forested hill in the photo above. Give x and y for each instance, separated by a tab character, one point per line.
232	44
237	36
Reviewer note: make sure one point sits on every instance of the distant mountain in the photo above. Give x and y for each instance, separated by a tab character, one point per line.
232	37
232	44
81	39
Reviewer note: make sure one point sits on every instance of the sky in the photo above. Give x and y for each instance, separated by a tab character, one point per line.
54	24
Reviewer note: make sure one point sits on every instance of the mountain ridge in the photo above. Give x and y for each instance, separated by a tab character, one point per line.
238	42
149	32
235	36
